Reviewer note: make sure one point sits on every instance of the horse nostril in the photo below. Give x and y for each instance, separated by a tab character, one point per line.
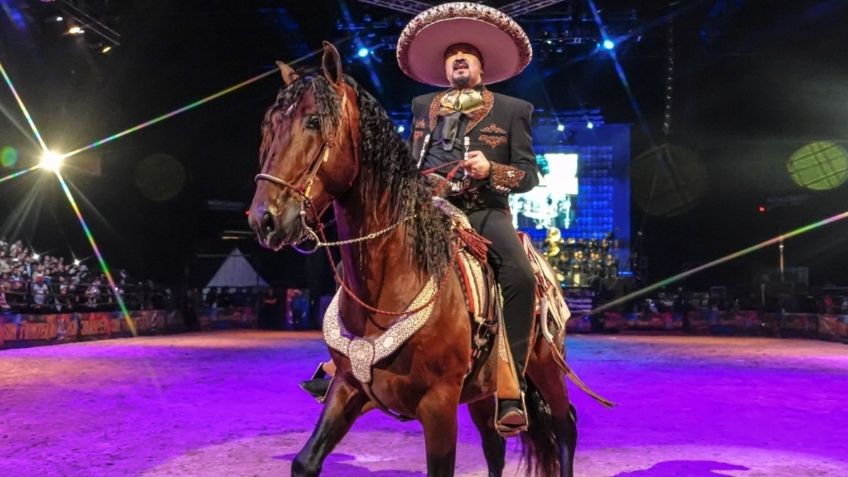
267	223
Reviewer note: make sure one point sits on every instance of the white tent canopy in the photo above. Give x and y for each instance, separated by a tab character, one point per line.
236	272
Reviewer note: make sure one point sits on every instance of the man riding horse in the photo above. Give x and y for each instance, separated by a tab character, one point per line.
465	47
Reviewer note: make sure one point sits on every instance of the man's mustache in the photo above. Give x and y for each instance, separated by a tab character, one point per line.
460	64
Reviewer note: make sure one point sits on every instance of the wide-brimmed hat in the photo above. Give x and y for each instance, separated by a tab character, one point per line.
503	43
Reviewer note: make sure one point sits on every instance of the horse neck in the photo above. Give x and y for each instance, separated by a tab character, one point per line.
382	271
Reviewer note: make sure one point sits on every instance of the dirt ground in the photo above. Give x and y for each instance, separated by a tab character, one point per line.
227	404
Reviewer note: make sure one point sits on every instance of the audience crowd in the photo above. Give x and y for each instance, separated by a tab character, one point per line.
34	283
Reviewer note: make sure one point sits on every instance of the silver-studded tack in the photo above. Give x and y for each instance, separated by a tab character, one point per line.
365	352
361	354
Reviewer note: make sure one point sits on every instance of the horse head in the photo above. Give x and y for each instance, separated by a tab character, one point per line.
308	156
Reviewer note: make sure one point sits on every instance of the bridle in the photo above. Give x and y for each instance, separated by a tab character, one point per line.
307	205
303	191
302	188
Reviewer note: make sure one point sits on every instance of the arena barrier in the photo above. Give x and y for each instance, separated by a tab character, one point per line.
18	329
706	322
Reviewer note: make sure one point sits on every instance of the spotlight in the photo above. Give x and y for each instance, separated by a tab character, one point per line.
590	125
77	262
608	44
58	19
106	49
560	127
363	52
51	161
36	256
75	30
401	129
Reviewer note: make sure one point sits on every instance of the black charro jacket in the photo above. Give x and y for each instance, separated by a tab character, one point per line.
500	129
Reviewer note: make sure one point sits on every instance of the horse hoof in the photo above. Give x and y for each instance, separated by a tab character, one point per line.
298	469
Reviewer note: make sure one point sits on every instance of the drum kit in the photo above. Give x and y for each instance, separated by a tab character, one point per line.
582	262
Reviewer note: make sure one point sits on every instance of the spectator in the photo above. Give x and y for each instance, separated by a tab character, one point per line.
39	291
92	295
4	305
269	311
63	297
190	316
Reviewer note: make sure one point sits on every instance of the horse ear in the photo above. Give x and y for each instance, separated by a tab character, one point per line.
331	63
289	75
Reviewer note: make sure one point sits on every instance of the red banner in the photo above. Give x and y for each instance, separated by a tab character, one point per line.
15	328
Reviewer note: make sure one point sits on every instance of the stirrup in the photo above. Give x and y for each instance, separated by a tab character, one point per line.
319	372
514	422
317	386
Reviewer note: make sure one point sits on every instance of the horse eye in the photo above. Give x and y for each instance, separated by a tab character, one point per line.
313	123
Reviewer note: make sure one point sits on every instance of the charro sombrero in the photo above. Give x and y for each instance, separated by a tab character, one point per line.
503	43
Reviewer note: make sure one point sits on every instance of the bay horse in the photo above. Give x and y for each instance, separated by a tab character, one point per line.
328	143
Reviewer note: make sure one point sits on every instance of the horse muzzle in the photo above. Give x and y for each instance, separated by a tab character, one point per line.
276	227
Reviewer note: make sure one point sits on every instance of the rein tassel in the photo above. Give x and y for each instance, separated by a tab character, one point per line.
475	243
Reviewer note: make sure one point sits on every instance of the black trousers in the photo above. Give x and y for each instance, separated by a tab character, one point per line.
515	276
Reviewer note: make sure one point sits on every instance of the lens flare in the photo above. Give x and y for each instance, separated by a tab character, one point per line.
680	276
193	105
103	266
8	157
51	161
17	174
23	107
173	113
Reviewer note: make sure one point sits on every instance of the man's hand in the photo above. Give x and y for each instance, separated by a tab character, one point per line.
476	165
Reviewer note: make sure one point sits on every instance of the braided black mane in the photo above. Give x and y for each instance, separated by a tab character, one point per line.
387	167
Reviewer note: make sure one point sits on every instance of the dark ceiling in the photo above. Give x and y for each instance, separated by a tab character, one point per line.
752	80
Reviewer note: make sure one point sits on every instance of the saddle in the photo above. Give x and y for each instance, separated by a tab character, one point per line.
483	300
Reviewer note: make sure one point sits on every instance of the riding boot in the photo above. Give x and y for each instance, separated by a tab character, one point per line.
319	385
511	412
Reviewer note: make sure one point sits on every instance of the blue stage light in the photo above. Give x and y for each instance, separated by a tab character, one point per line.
401	129
363	52
561	127
609	44
590	125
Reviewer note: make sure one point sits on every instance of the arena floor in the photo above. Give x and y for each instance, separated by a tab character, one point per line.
227	404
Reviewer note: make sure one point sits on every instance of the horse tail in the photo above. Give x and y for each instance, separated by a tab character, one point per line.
539	445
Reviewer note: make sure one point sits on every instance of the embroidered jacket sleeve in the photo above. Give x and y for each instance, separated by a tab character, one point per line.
521	174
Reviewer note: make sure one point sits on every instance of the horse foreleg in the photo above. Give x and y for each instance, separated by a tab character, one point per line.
342	407
494	446
437	413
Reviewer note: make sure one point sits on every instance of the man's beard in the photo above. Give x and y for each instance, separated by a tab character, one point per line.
462	81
